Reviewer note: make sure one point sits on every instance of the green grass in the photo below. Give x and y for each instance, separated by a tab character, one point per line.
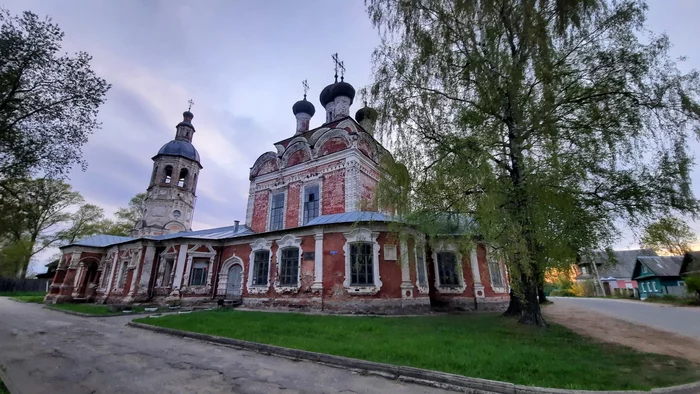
481	345
672	300
22	293
32	299
93	309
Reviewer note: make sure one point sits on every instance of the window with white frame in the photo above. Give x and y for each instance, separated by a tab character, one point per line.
261	268
496	273
584	270
311	203
361	268
200	269
289	267
447	269
277	212
106	274
655	288
643	287
122	274
420	266
167	270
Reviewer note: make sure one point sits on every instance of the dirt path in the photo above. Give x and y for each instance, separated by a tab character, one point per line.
609	329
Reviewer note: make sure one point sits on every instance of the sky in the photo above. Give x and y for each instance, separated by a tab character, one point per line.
242	63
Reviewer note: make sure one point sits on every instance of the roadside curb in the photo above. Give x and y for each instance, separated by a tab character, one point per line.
420	376
81	314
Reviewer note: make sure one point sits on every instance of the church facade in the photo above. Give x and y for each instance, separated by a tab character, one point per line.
311	240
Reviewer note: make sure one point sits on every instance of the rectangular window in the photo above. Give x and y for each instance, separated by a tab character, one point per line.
584	270
261	267
420	267
167	270
496	274
106	274
361	269
122	274
447	269
199	273
654	284
289	268
643	287
277	212
311	203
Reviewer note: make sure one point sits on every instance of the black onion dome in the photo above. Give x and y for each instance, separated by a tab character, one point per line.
181	149
325	95
342	88
303	107
366	113
187	115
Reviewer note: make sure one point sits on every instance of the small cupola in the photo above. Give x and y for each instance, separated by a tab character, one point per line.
303	110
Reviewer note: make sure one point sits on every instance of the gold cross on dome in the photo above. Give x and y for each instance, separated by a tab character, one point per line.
191	103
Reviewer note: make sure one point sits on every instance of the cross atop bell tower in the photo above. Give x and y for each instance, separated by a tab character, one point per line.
339	65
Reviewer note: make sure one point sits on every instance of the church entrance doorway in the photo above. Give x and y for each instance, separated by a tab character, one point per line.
89	283
234	282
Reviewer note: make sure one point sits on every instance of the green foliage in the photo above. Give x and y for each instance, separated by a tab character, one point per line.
563	293
672	300
668	235
48	100
481	345
548	123
29	299
692	284
127	218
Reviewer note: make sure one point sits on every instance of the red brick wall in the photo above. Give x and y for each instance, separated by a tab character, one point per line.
333	199
268	167
292	208
261	201
389	271
308	244
335	144
364	147
367	192
298	157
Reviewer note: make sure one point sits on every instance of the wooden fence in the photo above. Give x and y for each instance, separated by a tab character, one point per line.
14	285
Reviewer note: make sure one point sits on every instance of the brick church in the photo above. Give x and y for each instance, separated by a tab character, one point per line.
311	239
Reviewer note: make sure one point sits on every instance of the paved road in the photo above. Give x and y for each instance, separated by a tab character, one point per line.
44	351
680	320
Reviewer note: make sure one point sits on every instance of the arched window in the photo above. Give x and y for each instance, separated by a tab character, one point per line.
168	174
183	177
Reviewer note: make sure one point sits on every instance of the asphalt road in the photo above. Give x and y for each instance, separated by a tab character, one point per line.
44	351
680	320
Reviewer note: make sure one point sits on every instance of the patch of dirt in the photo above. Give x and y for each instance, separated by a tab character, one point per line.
636	336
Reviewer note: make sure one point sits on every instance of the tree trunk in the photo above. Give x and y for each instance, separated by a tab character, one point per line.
540	293
528	309
515	307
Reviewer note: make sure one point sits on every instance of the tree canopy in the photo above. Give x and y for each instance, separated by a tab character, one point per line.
546	122
48	100
668	235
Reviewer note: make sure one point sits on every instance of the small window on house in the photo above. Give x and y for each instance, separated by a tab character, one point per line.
122	274
584	270
261	267
168	174
447	269
289	268
311	203
199	273
654	285
643	287
496	273
167	270
420	266
183	178
361	268
277	212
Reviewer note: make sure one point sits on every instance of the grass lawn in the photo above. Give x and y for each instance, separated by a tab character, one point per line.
38	299
666	299
22	293
481	345
93	309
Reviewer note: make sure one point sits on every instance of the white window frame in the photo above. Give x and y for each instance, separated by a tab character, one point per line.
274	192
288	241
654	287
207	269
192	254
355	236
302	193
260	244
490	260
449	247
123	273
644	289
420	246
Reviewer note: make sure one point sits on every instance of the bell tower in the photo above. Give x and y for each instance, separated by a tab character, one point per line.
171	193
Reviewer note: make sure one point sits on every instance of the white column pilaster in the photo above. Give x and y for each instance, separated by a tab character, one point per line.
406	285
478	286
180	266
318	263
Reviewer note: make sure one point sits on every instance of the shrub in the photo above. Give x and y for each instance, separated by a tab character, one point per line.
563	293
692	285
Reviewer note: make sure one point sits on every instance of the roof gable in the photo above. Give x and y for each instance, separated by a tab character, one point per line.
621	264
658	266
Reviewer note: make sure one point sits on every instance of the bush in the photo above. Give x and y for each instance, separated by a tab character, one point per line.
692	285
563	293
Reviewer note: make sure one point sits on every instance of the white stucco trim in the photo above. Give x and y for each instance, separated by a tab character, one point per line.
362	235
179	266
259	244
406	284
193	254
443	246
418	249
288	241
223	274
318	262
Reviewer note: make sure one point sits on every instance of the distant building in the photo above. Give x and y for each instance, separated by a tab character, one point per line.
312	237
612	274
659	275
